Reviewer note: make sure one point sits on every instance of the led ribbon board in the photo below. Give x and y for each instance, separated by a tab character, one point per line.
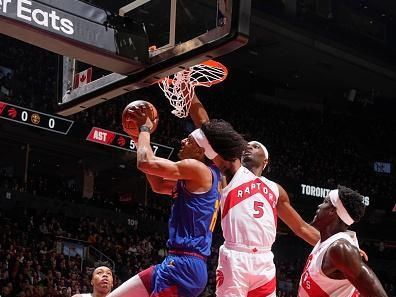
124	142
34	118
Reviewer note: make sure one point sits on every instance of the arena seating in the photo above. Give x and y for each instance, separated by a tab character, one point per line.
322	148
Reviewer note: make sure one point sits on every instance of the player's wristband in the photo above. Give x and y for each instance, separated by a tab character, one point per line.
144	128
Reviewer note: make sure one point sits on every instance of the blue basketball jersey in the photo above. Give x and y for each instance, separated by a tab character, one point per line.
193	217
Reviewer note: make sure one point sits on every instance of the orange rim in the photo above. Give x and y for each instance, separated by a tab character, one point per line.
215	64
211	64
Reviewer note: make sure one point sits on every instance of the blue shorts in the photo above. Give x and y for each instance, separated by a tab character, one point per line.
178	276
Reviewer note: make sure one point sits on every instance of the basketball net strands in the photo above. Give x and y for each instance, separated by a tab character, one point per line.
179	88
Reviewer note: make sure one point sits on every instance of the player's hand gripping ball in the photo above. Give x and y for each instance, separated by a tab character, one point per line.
138	113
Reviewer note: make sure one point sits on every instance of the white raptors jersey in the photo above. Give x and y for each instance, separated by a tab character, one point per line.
314	283
86	295
248	210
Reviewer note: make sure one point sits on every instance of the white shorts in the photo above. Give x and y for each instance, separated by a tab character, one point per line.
245	271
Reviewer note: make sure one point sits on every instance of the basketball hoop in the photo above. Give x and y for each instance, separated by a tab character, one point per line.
179	88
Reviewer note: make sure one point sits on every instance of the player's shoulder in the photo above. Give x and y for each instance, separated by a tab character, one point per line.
266	180
193	165
342	249
191	162
244	173
275	187
192	169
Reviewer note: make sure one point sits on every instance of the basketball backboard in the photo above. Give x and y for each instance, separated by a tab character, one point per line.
136	42
179	34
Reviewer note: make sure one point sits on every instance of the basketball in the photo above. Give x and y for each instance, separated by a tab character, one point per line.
129	123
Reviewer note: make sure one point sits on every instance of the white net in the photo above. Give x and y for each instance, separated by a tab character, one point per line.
179	92
179	88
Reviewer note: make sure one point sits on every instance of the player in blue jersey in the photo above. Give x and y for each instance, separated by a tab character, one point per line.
194	185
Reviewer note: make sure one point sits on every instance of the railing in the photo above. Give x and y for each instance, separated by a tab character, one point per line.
88	254
99	257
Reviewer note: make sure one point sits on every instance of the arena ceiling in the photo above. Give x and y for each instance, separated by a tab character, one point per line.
299	60
295	58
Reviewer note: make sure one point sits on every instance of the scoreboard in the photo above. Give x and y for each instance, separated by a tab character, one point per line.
61	125
34	118
124	142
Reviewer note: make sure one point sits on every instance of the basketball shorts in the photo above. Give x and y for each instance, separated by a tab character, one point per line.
176	276
244	271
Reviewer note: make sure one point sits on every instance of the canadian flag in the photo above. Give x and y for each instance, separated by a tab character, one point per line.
82	78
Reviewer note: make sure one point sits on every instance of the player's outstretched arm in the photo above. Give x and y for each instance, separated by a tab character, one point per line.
291	218
188	169
147	162
198	112
345	257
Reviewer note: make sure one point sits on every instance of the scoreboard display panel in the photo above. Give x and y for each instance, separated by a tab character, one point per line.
34	118
124	142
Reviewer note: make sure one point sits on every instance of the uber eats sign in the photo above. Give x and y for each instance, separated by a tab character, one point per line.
37	15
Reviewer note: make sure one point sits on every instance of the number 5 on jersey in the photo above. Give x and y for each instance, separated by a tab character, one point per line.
259	209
